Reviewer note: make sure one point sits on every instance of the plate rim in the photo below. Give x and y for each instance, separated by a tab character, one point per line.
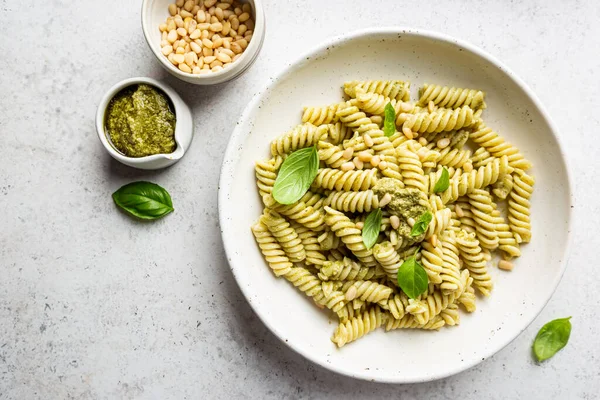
238	136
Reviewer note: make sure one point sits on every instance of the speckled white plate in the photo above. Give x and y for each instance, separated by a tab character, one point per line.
400	356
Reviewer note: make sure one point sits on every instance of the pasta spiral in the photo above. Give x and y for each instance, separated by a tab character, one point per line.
456	158
346	230
398	90
506	240
481	208
307	283
300	212
442	120
304	135
338	132
389	259
497	147
450	274
336	179
353	201
358	121
451	97
266	173
321	115
346	269
503	187
411	169
314	256
439	222
519	205
332	155
285	235
411	322
481	157
467	299
450	315
369	291
357	327
271	250
397	304
476	179
475	262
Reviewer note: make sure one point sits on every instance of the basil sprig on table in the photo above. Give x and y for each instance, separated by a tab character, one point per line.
296	175
412	278
551	338
389	122
145	200
371	228
443	183
421	224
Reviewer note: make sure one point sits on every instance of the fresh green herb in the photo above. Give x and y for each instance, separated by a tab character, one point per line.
443	183
389	123
370	231
551	338
296	175
421	224
144	200
412	278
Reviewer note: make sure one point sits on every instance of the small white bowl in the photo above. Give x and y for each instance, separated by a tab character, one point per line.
184	127
155	12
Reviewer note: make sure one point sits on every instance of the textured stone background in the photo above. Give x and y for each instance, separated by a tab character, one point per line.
94	305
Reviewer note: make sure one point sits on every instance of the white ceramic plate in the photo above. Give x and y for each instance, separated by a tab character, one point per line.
400	356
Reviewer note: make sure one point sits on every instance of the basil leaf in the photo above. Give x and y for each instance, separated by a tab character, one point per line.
389	123
551	338
421	224
412	278
296	175
370	231
443	183
144	200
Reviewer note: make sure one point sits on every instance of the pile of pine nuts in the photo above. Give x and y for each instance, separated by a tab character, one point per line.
203	36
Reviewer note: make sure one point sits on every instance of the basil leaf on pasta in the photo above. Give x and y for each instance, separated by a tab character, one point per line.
296	175
421	224
551	338
443	183
389	123
370	231
144	200
412	278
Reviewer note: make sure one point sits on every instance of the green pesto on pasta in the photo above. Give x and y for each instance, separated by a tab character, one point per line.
316	243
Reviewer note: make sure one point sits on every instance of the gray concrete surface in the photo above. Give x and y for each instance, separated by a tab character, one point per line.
94	305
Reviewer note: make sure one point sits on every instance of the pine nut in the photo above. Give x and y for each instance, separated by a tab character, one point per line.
189	59
162	27
347	154
200	17
216	27
164	43
351	293
216	63
181	32
171	25
196	70
237	11
195	34
217	68
422	153
186	14
195	48
249	24
235	23
226	28
204	35
385	200
227	51
209	3
347	166
184	68
219	13
172	36
459	211
223	6
226	44
242	29
218	42
505	265
411	222
207	43
213	18
467	167
395	222
406	107
167	50
383	165
195	11
431	106
368	140
179	3
443	143
360	225
209	59
180	50
207	52
244	17
422	141
235	57
236	48
178	21
189	5
179	58
172	9
243	43
228	14
359	164
365	156
224	58
375	160
407	132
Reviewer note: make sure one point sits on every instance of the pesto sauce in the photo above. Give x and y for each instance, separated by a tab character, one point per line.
140	122
406	203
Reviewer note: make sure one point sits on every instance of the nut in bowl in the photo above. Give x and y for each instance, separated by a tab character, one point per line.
144	123
204	42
